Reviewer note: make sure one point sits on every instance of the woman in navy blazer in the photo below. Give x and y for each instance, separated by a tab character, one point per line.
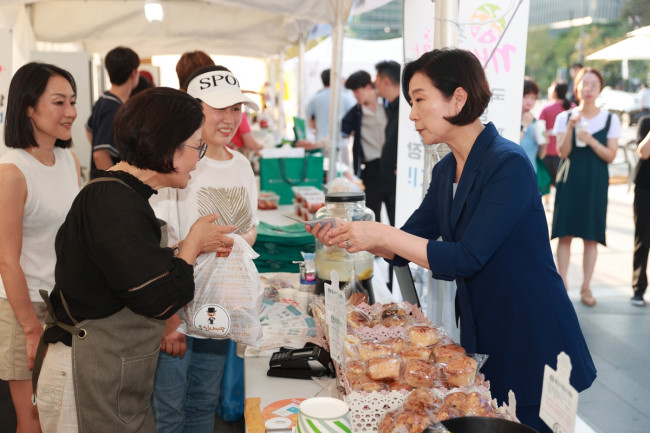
485	204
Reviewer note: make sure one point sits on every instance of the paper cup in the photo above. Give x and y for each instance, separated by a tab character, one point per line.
323	414
303	299
286	295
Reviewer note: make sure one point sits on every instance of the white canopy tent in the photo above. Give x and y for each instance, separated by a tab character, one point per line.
250	28
632	48
254	28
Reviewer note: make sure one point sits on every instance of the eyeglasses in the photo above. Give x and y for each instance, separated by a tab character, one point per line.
201	148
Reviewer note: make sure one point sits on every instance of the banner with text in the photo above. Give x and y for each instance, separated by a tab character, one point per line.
496	32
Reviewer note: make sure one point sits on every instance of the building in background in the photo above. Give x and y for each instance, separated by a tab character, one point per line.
570	13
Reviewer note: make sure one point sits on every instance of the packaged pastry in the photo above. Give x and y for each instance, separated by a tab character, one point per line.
357	318
460	371
420	373
354	369
395	320
366	384
384	368
422	335
352	346
444	352
415	352
414	421
399	385
396	344
422	398
372	349
391	309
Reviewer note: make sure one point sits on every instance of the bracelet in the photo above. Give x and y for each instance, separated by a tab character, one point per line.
175	250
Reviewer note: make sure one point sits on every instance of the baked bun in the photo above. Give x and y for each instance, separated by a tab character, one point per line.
399	385
354	369
422	398
396	344
391	309
478	404
460	371
387	422
420	373
366	384
444	352
422	335
388	367
415	352
352	346
371	349
357	319
447	412
456	399
414	421
395	320
358	298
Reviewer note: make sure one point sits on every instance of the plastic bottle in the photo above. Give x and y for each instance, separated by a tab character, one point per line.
308	273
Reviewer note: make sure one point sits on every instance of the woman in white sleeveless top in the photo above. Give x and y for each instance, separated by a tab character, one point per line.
39	178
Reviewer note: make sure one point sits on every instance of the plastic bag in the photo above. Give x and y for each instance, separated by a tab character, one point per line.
228	297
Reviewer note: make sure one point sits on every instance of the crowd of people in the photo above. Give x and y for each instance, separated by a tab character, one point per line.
92	276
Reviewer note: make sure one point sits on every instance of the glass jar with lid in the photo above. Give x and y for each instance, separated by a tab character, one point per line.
347	206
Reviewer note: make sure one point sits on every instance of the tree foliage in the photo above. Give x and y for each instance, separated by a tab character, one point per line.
637	12
549	53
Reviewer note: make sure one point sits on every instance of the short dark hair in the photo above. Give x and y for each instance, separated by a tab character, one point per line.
188	63
143	84
120	62
530	86
581	73
325	77
390	69
357	80
561	88
449	69
27	86
150	127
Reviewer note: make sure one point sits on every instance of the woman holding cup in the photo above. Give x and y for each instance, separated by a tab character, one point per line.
587	140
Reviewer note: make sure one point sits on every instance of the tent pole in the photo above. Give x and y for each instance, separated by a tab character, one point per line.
442	293
302	44
281	121
342	10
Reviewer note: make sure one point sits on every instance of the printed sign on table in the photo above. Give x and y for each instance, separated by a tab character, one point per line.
559	404
335	315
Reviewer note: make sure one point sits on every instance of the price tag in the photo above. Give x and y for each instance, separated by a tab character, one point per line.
559	405
335	314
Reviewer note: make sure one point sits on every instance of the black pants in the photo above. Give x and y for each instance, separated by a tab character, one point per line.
375	192
641	240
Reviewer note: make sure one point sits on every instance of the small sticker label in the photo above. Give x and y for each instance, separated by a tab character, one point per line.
212	318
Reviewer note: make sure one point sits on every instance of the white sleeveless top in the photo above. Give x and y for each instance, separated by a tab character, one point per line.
50	192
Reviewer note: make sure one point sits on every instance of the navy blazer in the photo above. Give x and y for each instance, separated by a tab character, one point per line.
511	301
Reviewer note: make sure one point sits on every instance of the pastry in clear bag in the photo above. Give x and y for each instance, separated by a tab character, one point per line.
228	298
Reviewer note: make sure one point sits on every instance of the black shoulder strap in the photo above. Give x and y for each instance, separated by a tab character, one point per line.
609	121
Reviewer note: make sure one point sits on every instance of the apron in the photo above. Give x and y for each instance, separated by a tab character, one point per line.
113	362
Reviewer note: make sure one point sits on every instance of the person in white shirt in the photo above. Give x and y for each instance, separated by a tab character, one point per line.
188	377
